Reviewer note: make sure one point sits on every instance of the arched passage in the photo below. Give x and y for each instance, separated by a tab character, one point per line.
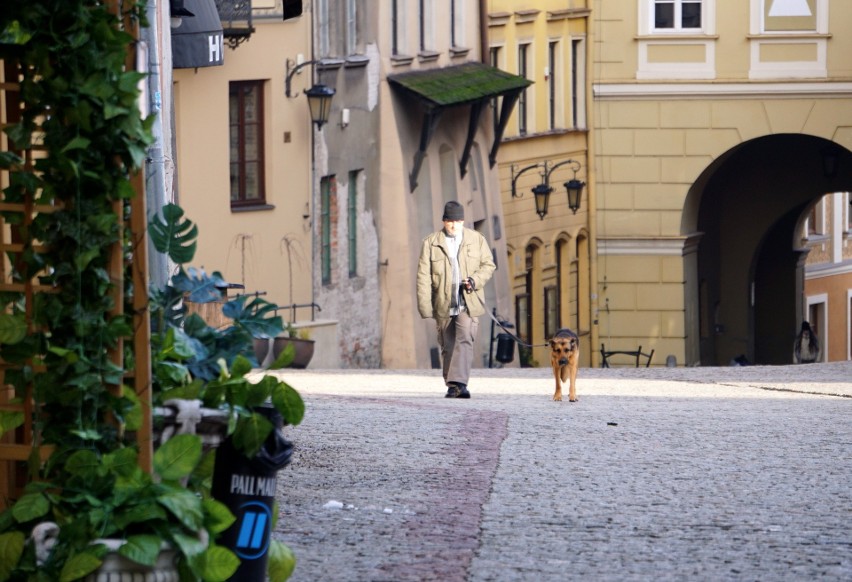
745	275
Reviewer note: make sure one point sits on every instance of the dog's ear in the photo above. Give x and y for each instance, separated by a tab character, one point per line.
551	342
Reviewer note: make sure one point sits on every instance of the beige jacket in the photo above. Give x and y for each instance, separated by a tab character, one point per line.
435	275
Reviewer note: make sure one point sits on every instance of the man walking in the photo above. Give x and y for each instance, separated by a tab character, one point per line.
455	263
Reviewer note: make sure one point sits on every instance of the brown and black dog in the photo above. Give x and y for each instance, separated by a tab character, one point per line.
564	358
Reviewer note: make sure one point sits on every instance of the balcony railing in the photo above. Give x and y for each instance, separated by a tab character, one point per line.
236	20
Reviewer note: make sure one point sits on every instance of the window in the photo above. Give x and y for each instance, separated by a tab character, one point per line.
496	102
551	311
816	219
523	49
426	25
578	83
327	187
397	26
456	23
677	15
552	68
245	113
351	27
352	214
322	24
789	15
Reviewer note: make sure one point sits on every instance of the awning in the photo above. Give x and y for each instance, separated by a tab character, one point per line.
198	41
472	84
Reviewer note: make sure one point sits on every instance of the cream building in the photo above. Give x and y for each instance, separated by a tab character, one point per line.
550	255
244	162
720	126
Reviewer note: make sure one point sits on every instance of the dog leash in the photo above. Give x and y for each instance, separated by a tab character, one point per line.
519	341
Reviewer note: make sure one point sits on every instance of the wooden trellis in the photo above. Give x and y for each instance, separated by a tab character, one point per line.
17	446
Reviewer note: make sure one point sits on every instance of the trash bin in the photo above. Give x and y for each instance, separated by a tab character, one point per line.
505	348
247	487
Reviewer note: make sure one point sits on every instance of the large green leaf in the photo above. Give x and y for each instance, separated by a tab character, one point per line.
13	328
184	505
30	506
78	566
11	548
218	564
258	316
84	463
142	549
250	433
173	234
198	286
281	562
10	420
289	403
178	456
219	516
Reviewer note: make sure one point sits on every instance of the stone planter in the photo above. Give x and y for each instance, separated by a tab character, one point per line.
117	568
266	350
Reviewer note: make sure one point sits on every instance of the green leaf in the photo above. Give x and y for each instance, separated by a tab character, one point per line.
178	456
285	358
122	462
174	235
184	505
240	367
78	566
30	506
289	403
13	328
14	33
219	516
281	562
84	463
250	433
218	564
11	549
10	420
78	143
142	549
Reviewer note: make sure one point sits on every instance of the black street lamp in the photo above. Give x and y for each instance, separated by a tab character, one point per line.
542	191
319	96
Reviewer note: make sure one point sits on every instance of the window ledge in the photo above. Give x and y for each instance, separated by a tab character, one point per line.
459	51
400	60
329	64
252	207
787	35
677	36
428	56
355	61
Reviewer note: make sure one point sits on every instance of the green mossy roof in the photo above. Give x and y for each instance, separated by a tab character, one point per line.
459	84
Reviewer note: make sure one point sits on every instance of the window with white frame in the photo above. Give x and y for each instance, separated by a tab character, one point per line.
323	42
816	219
523	68
789	16
352	27
398	28
677	15
457	23
427	25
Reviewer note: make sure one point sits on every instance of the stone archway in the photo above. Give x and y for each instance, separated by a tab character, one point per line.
744	283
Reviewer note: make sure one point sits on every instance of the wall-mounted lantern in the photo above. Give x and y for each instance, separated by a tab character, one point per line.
542	191
319	96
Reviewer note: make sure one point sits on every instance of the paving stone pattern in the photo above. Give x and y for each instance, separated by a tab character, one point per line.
656	474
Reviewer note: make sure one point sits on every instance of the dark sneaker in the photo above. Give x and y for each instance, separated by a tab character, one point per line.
453	392
463	393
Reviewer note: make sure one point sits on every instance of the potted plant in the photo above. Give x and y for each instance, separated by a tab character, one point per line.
269	349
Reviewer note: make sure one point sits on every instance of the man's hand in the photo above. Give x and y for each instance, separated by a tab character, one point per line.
469	285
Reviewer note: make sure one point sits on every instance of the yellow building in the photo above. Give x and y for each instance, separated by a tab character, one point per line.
546	144
719	126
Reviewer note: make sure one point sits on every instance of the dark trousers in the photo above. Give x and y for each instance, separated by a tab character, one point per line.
456	336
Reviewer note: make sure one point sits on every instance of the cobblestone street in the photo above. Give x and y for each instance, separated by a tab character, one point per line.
662	473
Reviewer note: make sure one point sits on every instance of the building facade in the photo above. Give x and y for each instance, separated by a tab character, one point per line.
546	144
410	131
720	126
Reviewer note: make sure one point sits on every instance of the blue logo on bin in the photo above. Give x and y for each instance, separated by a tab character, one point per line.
254	532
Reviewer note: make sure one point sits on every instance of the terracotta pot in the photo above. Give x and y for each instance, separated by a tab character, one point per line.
304	350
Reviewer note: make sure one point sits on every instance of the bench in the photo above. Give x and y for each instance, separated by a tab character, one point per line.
638	354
